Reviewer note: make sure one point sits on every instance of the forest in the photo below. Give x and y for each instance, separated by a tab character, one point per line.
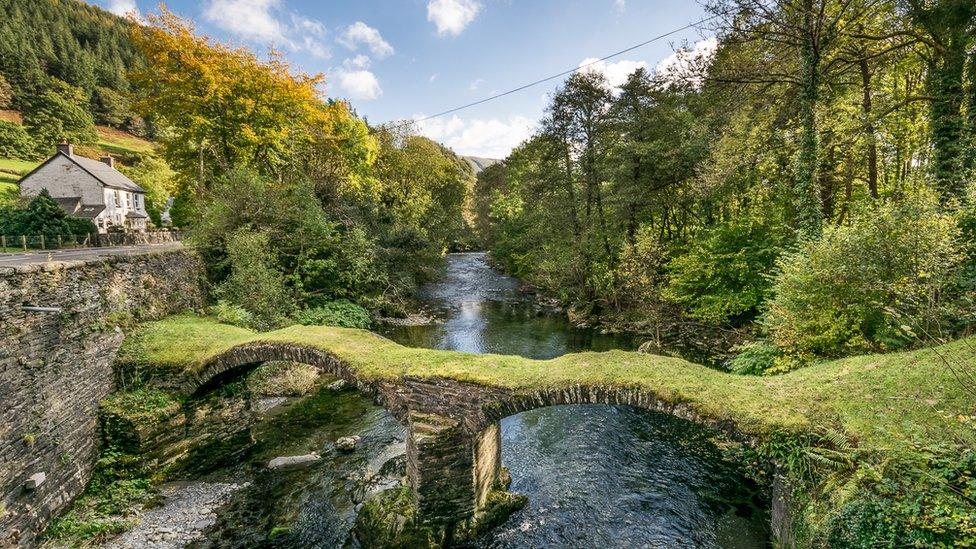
804	193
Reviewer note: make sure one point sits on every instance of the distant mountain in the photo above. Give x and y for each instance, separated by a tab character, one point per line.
480	164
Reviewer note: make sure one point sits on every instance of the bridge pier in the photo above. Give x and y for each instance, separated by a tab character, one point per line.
451	471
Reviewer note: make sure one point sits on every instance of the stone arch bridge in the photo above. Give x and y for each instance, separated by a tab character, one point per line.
452	402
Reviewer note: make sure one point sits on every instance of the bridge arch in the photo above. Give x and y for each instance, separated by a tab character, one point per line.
454	438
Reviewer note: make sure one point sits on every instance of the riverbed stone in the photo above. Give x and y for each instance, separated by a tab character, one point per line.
337	385
347	444
293	461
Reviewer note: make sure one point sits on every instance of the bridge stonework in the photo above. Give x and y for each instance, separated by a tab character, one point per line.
56	366
454	438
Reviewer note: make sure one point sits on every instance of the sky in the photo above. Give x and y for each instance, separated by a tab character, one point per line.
406	59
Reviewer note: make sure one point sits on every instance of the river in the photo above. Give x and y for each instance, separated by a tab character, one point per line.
596	476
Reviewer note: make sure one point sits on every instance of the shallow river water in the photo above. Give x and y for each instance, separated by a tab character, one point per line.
596	476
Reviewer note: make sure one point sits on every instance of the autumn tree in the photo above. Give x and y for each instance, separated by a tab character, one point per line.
224	107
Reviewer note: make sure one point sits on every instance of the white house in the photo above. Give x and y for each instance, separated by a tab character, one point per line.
91	189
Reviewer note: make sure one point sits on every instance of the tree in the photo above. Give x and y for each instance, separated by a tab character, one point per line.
43	216
225	108
945	27
15	142
57	115
797	42
254	282
6	93
110	107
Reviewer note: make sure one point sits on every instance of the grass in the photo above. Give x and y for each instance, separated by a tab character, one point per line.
115	141
17	166
884	402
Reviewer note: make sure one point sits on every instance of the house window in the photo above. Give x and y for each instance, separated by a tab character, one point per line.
118	201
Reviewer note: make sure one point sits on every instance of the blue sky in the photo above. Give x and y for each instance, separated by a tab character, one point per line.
401	59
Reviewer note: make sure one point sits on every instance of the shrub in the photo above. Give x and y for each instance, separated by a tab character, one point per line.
723	277
43	216
254	284
755	358
340	313
228	313
874	285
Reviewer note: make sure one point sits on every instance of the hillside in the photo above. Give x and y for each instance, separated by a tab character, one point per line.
479	164
46	43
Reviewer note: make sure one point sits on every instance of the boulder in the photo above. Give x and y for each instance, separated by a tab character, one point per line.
337	385
347	444
292	461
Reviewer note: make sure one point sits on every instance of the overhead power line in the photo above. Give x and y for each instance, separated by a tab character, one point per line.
555	76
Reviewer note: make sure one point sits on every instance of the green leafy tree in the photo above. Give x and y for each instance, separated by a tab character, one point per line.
43	216
159	181
724	276
57	115
6	93
15	142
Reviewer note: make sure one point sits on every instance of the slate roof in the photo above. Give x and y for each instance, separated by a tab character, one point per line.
72	206
109	176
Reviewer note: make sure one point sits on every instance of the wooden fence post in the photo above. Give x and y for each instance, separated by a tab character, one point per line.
42	243
23	240
3	241
60	244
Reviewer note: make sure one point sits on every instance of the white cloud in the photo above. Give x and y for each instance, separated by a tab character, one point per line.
489	138
616	72
683	64
452	16
476	84
433	77
251	19
620	5
123	7
267	22
360	33
357	80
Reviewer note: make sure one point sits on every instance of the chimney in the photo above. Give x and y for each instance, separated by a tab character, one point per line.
108	160
66	148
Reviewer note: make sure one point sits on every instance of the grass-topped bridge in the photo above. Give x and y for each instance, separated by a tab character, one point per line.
452	402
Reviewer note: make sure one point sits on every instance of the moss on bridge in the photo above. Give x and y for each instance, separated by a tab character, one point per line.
882	402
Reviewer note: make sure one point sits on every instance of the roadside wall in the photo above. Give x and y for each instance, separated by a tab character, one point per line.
55	367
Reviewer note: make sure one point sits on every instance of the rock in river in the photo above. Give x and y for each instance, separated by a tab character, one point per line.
292	461
347	444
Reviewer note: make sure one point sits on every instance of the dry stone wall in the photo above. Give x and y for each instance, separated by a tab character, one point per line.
56	366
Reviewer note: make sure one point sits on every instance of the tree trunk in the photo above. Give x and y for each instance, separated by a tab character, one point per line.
971	111
571	190
806	193
869	131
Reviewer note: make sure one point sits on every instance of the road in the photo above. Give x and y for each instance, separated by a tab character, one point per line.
79	254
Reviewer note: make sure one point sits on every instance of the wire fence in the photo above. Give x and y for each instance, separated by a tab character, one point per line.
24	243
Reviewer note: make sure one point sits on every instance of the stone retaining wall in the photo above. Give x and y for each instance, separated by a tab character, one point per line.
56	366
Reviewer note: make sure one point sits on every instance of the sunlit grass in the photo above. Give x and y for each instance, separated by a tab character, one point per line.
882	401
